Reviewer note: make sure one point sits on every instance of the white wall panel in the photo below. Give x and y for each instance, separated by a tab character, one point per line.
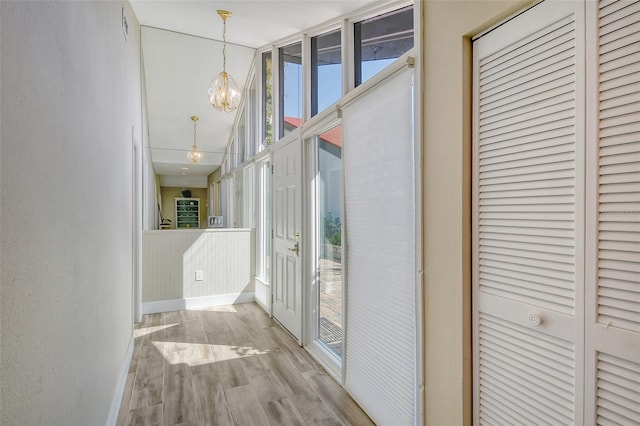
172	257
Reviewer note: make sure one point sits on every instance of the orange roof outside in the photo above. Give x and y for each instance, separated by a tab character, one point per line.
332	136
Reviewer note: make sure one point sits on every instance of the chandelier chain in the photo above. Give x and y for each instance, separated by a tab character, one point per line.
224	44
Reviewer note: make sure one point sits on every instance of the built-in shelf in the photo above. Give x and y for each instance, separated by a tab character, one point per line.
187	213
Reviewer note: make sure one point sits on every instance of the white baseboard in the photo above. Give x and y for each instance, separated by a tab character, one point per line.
122	382
196	302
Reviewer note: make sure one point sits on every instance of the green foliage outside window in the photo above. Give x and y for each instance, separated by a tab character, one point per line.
268	101
332	230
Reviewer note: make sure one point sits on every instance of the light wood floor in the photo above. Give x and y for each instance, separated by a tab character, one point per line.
228	365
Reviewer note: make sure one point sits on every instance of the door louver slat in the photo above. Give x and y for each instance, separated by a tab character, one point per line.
618	387
530	370
525	229
619	167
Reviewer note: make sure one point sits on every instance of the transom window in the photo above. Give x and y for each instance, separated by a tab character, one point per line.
290	88
380	40
326	70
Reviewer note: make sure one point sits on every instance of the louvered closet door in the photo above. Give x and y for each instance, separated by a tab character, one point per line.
529	218
613	225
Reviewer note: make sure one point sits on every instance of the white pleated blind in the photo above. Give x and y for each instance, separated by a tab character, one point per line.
380	219
618	293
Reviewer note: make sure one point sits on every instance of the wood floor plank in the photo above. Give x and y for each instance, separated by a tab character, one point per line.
266	385
300	357
145	416
281	366
121	420
313	410
179	403
215	323
282	412
343	406
231	373
245	408
187	343
211	403
228	366
148	386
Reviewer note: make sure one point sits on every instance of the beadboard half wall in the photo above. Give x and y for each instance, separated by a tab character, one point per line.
184	269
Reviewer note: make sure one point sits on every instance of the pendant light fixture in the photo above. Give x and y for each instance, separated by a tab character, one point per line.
224	94
194	155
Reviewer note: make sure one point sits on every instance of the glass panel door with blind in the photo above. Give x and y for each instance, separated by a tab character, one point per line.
328	238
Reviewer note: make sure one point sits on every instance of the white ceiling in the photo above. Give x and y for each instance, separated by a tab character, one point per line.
178	69
182	52
254	23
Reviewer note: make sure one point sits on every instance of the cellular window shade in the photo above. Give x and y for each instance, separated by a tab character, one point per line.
379	179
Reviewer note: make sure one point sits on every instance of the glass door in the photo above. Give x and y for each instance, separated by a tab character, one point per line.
328	239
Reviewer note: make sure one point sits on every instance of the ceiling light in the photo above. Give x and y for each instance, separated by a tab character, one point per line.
194	155
224	94
184	168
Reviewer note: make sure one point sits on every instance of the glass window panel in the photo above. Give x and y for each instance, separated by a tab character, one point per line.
329	238
251	119
241	138
290	88
263	234
379	41
326	70
267	100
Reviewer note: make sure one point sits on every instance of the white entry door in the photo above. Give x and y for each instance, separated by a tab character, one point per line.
287	218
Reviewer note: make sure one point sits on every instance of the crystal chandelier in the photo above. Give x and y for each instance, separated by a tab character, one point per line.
194	155
224	94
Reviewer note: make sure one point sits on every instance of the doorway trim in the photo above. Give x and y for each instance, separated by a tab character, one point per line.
329	360
136	227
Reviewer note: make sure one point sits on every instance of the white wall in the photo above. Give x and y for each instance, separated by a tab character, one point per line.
171	258
70	102
446	150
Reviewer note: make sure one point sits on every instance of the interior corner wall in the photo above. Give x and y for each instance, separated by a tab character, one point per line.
446	47
70	103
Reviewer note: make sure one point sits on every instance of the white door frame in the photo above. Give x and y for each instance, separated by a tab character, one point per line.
330	361
136	238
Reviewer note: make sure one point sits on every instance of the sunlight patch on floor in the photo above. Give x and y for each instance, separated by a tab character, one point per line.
139	332
194	354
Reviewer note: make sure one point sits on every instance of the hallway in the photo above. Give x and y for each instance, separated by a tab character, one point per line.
227	365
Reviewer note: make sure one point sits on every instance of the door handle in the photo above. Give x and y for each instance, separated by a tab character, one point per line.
296	247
